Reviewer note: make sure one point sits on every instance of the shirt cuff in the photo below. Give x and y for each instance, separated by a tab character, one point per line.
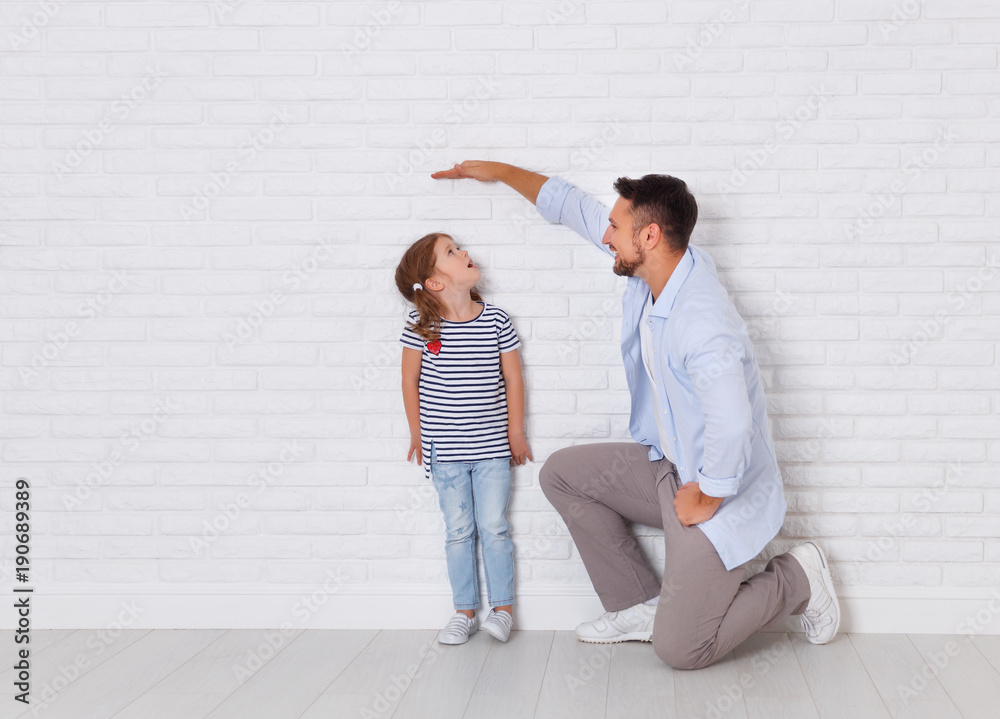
550	198
712	487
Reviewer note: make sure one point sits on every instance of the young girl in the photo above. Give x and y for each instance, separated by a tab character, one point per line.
464	399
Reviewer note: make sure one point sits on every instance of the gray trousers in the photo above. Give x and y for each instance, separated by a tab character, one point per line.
704	610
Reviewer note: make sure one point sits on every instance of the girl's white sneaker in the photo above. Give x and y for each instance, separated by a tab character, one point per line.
458	629
498	624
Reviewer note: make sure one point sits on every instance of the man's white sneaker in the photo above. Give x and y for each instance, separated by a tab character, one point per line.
632	624
822	616
458	629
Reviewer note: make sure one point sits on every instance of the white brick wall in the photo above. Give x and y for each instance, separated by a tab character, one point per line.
201	205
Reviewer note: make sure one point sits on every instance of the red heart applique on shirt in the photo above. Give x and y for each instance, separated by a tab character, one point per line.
434	347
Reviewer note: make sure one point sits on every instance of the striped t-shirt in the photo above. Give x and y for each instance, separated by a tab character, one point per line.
463	397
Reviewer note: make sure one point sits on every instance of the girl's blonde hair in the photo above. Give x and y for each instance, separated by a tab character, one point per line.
417	265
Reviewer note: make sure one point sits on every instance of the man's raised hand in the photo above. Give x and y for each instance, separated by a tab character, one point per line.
481	170
526	182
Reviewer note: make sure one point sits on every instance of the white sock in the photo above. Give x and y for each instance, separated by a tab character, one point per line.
652	602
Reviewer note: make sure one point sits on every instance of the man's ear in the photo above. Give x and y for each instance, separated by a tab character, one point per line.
649	235
655	236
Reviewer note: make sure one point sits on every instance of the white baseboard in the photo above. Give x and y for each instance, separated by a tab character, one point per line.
914	610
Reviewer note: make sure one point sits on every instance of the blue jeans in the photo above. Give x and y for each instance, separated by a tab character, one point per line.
474	496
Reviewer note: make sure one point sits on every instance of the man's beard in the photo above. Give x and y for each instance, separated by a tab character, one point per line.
627	268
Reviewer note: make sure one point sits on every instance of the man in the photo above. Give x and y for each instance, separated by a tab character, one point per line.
702	466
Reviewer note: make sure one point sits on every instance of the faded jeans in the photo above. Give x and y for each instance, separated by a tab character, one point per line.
474	498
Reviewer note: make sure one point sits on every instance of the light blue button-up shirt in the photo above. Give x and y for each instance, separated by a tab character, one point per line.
708	385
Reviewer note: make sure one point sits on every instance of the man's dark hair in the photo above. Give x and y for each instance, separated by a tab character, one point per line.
664	200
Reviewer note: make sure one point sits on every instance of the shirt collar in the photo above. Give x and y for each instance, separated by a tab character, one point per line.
661	308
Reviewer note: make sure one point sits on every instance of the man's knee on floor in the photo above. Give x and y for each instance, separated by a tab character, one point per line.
676	654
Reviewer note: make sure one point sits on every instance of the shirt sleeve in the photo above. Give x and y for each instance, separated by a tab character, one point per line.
506	335
565	203
713	357
409	338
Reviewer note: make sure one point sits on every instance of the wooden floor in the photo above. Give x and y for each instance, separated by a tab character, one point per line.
251	674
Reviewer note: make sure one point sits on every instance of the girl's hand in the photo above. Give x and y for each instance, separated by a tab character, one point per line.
415	447
520	453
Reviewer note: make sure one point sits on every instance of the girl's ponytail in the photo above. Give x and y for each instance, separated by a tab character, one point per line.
416	266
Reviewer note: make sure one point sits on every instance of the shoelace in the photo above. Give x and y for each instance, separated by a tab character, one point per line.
611	618
812	621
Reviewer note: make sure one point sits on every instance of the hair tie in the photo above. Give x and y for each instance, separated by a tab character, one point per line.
417	286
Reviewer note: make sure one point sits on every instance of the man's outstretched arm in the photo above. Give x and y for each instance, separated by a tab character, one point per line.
561	202
526	182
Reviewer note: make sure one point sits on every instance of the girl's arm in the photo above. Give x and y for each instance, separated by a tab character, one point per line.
510	365
411	398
